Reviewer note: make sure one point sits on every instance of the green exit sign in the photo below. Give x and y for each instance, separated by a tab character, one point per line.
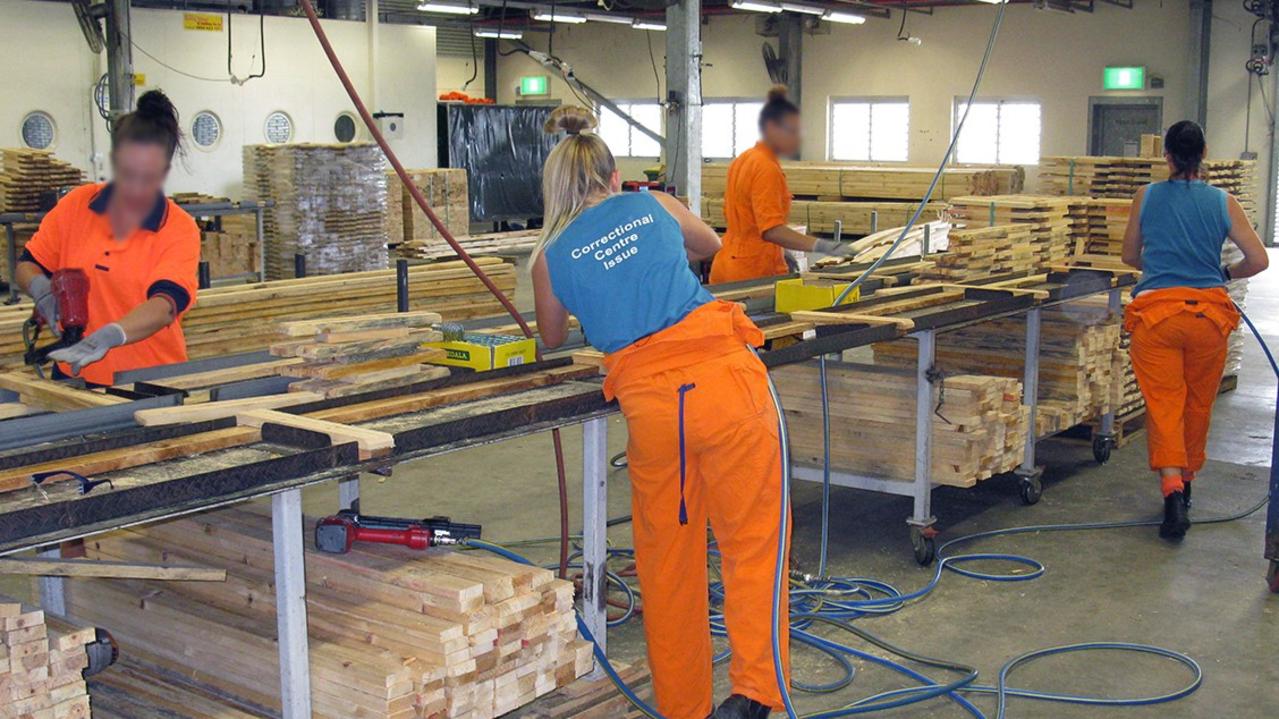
532	85
1124	78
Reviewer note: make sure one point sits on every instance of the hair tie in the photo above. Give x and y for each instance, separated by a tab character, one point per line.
573	133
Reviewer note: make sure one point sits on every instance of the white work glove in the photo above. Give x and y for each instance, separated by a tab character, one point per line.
831	247
91	348
41	290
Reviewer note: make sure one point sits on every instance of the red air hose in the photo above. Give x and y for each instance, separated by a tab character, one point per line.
420	199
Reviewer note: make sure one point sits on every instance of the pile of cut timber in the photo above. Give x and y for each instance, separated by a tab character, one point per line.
972	254
349	355
1078	350
330	205
837	182
27	174
1106	221
229	243
820	217
979	427
491	243
41	660
1121	177
393	632
446	192
1050	219
242	318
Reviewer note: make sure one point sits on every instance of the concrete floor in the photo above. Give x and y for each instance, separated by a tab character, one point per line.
1204	597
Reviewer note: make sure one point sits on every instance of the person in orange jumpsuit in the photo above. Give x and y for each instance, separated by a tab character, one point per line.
138	249
757	202
704	431
1181	314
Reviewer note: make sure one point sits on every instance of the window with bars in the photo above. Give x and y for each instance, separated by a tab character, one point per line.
999	132
622	138
729	127
874	129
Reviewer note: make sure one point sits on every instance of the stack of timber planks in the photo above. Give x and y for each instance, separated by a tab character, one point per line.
393	632
229	243
330	205
979	427
349	355
446	192
983	252
1106	221
1052	221
516	242
27	174
1078	351
820	216
838	182
41	665
241	318
1121	177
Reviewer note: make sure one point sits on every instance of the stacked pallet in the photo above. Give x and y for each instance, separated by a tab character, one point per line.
1106	221
972	254
330	205
820	217
837	182
393	632
1051	220
1121	177
242	318
979	426
446	192
491	243
26	175
1078	350
41	663
229	243
349	355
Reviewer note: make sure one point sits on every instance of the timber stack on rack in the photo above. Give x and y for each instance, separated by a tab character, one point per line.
330	205
393	632
446	192
41	661
348	355
978	429
1078	351
1121	177
1051	220
229	243
820	216
973	254
490	243
26	175
241	318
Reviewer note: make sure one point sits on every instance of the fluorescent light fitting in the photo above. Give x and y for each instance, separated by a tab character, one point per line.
499	34
802	8
649	25
756	6
848	18
448	8
558	16
609	18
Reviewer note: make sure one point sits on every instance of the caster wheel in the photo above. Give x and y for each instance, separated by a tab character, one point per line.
925	550
1031	489
1101	449
1272	577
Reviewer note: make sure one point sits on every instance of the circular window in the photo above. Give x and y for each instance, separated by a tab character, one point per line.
344	127
206	130
279	127
38	130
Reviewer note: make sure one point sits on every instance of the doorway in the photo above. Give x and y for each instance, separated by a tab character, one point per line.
1116	124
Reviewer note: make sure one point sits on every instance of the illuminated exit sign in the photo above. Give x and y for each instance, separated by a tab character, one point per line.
533	85
1124	78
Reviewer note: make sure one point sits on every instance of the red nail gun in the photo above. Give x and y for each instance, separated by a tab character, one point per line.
70	289
337	533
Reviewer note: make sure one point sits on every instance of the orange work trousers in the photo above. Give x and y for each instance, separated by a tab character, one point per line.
704	447
1178	352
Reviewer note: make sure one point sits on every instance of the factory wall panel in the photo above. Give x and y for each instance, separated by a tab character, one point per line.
451	73
298	82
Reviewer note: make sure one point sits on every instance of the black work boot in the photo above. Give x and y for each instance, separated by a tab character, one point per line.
1185	494
739	707
1175	521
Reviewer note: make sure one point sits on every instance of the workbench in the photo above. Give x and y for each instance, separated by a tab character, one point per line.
194	475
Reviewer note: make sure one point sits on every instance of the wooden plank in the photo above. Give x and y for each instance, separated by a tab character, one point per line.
215	377
372	443
55	396
217	410
843	318
110	570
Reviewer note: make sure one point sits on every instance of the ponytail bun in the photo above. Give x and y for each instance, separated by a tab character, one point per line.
777	93
571	119
154	121
777	106
1184	144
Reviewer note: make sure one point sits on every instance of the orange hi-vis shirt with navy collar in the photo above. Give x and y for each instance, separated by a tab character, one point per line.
159	259
756	199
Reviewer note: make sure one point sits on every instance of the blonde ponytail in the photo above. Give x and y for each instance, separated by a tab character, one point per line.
579	169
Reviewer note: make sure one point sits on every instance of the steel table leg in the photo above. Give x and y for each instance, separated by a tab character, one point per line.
1104	440
290	604
1031	486
922	520
53	597
349	492
595	530
12	247
257	215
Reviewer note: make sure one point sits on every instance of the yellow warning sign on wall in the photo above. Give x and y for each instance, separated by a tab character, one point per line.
206	21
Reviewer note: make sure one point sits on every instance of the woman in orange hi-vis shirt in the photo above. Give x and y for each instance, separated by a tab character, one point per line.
757	202
1181	314
138	249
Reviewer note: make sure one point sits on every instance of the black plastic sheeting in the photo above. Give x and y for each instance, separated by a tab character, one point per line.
502	148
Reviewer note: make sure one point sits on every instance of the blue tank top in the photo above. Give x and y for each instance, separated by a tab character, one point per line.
1183	226
622	270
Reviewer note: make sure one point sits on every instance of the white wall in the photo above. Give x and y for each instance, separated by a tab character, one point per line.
50	67
451	73
1228	95
1050	56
